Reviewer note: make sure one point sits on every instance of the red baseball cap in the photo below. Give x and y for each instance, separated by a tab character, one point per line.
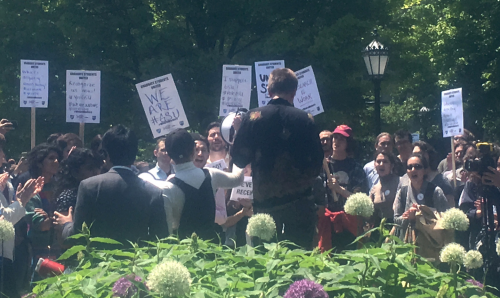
344	130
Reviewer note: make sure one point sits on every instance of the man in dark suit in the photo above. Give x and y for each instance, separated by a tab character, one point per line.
118	204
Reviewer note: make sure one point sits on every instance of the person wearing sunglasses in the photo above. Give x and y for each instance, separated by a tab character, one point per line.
431	173
417	192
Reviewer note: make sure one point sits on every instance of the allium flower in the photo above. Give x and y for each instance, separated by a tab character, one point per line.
452	253
169	279
455	219
475	283
123	287
473	259
261	225
359	204
7	231
305	289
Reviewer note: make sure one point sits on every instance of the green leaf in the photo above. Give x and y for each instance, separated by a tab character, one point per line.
222	282
71	251
104	240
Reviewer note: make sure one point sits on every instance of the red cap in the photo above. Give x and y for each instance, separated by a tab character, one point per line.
344	130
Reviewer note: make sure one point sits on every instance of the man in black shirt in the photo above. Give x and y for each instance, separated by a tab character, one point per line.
282	144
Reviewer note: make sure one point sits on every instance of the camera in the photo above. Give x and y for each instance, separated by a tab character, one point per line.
481	164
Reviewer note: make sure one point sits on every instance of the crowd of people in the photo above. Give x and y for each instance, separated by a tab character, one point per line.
301	177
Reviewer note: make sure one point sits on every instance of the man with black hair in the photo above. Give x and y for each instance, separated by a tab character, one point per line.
118	204
163	167
218	147
190	194
403	141
283	146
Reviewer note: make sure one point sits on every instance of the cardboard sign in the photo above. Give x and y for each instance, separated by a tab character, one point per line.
262	71
83	96
219	164
307	97
452	113
34	84
236	88
244	191
162	105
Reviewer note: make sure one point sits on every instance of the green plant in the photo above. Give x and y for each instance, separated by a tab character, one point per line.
376	270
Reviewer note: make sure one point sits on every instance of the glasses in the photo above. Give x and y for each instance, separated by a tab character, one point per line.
416	166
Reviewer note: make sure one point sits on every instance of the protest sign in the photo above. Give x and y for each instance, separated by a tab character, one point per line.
162	105
83	96
244	191
262	71
236	88
219	164
452	114
307	97
34	84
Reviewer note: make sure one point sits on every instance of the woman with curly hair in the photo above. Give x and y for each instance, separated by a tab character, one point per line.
80	165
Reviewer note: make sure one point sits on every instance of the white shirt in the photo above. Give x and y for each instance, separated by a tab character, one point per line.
193	176
12	213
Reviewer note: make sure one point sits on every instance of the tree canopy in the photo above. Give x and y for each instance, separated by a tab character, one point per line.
435	46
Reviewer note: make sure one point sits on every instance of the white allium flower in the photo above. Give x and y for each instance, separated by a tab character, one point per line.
455	219
452	253
473	259
169	279
7	231
359	204
261	225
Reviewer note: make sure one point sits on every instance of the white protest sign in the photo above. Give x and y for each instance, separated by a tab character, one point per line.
34	84
219	164
236	88
244	191
452	113
262	71
83	96
162	105
307	97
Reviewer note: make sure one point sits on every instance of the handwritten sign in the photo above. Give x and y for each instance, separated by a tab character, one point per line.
162	105
307	97
219	164
262	71
236	88
452	113
34	84
83	96
244	191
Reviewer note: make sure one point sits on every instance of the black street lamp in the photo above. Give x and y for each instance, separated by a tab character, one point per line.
376	57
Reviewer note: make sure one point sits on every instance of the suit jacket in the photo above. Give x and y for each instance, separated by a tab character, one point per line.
121	206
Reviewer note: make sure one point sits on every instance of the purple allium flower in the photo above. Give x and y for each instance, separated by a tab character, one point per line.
121	287
305	289
475	283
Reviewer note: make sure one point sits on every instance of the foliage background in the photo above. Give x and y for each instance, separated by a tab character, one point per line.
435	45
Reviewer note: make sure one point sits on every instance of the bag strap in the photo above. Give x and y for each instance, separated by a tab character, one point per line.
429	195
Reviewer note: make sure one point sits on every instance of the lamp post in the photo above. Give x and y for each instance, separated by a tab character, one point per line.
376	57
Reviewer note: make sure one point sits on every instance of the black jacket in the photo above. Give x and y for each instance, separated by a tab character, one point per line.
283	146
121	206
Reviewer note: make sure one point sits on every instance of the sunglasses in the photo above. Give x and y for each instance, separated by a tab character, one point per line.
416	166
